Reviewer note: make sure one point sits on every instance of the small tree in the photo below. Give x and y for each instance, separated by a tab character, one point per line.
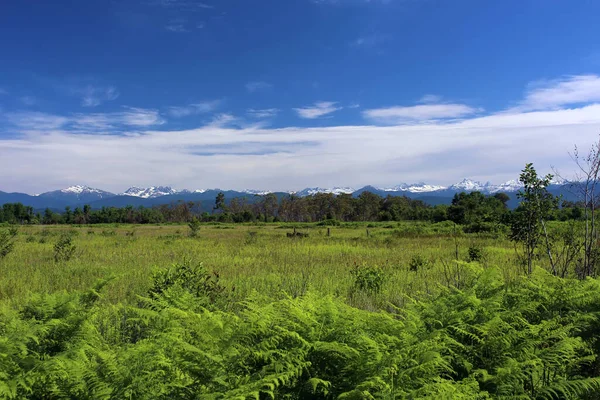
585	185
220	201
194	225
64	248
528	226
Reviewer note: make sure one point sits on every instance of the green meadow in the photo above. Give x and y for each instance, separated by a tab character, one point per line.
385	310
413	258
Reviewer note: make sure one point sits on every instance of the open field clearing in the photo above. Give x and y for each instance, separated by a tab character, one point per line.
413	258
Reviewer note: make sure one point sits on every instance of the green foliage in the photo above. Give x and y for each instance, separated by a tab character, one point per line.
64	248
329	222
475	253
194	226
7	242
190	278
418	263
368	279
533	338
528	222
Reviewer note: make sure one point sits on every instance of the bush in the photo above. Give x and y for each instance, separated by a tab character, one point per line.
194	227
64	248
329	222
368	279
475	253
417	263
187	277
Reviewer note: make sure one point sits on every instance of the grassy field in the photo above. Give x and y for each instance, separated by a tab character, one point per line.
355	311
412	258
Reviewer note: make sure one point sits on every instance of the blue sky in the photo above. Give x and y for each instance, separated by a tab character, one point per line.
285	94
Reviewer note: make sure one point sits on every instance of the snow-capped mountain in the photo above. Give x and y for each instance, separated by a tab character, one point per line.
150	192
79	189
256	192
509	186
420	187
77	193
315	190
468	185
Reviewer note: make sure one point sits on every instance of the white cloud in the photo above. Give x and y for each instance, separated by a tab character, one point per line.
256	86
194	109
496	147
131	117
553	94
418	113
263	113
139	117
319	109
94	96
430	98
223	120
36	120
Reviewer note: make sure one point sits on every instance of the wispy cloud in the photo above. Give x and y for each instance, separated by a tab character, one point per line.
258	86
28	100
419	113
223	120
54	150
255	157
92	96
263	113
36	120
351	2
193	109
430	98
553	94
319	109
130	117
368	41
181	4
177	25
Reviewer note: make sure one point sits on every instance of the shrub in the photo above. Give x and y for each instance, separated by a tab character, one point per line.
194	227
475	253
368	279
329	222
417	262
187	277
64	248
30	239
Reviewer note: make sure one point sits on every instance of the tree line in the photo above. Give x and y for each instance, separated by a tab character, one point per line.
475	210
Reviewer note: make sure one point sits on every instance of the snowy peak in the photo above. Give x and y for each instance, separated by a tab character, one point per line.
80	189
469	185
257	192
509	186
316	190
150	192
76	193
420	187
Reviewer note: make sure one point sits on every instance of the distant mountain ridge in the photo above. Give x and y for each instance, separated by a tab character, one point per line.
79	195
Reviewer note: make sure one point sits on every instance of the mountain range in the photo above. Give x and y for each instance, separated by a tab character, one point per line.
137	196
